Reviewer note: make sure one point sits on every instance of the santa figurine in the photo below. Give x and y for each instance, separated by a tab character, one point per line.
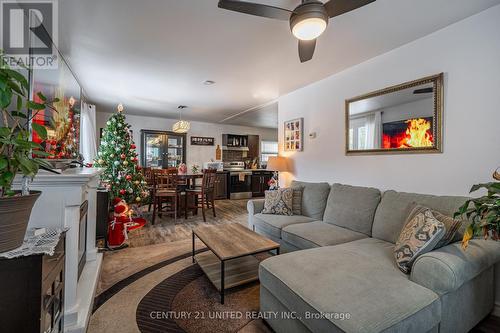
121	223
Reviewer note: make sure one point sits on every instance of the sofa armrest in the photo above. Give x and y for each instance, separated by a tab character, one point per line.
254	207
448	268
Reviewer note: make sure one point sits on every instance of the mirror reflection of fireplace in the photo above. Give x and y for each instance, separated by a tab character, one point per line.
398	119
82	237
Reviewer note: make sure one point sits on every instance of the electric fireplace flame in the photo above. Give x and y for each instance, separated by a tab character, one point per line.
411	133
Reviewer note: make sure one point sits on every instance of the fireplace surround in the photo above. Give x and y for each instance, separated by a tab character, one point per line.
69	201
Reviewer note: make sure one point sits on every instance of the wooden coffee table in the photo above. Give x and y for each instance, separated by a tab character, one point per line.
230	261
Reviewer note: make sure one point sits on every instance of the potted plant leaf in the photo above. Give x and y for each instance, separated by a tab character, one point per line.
16	153
483	212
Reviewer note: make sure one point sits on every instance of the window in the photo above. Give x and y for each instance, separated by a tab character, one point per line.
268	148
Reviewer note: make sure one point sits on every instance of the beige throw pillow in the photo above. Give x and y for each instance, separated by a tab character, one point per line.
420	235
297	200
451	225
279	202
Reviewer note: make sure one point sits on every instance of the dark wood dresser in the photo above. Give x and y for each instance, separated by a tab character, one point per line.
32	292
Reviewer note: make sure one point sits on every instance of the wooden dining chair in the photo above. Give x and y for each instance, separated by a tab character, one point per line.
165	191
203	196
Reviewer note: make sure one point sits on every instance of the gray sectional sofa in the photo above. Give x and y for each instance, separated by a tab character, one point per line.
339	274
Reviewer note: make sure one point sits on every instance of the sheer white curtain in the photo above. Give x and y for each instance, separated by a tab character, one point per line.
374	130
88	140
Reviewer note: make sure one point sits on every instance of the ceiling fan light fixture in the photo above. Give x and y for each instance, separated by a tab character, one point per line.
309	21
309	29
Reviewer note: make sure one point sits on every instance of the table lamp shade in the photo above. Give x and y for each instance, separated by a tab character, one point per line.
277	163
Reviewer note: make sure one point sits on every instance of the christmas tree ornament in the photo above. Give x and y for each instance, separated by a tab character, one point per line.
133	146
137	182
125	162
108	123
122	192
128	177
138	199
123	156
100	161
117	163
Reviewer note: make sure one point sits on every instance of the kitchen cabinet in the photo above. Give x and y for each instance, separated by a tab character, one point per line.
253	146
221	186
259	182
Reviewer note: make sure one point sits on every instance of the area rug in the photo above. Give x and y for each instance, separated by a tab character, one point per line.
174	295
188	302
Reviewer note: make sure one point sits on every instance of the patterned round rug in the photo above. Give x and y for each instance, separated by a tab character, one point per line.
188	302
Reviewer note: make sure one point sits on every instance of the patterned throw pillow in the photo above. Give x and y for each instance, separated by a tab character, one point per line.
297	200
451	225
420	235
279	202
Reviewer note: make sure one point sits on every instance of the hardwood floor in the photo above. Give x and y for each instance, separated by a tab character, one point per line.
166	229
490	324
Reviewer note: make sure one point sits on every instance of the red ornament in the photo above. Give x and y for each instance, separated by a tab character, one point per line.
122	192
138	167
133	146
122	156
128	177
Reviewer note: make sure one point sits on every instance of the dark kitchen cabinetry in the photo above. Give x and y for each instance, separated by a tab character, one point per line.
253	146
32	292
221	186
234	141
259	182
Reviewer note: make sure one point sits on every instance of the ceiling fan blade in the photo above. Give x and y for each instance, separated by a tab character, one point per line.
256	9
306	49
339	7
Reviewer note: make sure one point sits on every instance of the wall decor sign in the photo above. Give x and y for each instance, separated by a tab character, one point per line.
202	141
294	135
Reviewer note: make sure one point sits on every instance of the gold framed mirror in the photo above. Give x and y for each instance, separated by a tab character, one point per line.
405	118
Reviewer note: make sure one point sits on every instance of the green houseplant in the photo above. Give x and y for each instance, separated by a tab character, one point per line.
16	153
483	212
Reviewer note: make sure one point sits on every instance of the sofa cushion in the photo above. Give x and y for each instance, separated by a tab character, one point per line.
314	234
272	224
314	197
359	278
394	208
352	207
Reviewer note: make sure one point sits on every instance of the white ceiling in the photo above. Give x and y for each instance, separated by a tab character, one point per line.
153	55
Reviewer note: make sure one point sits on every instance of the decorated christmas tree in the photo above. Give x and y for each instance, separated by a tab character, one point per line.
117	155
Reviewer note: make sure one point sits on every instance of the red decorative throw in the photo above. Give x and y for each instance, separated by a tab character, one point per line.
121	223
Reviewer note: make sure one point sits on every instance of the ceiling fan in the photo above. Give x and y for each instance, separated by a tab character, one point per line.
307	21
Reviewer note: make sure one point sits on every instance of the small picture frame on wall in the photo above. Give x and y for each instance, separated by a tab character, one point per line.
294	135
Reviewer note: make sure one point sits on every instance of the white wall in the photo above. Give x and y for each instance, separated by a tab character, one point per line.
421	108
194	154
468	52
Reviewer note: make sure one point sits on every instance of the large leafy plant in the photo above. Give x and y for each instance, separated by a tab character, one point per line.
483	212
16	147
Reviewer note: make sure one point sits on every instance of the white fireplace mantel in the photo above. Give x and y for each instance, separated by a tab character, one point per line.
59	206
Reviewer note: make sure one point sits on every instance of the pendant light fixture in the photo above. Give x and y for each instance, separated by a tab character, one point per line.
182	126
